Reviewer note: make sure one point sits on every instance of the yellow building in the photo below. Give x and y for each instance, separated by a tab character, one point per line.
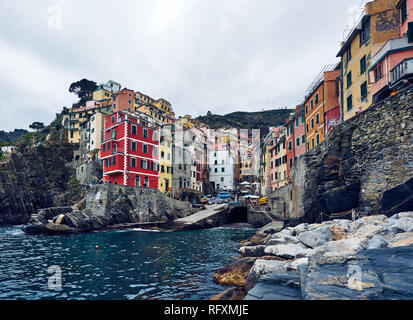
379	23
102	94
155	113
164	105
165	170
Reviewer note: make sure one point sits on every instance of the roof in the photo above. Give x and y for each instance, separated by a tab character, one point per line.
352	35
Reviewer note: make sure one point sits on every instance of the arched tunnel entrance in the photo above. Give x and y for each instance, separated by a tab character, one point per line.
237	215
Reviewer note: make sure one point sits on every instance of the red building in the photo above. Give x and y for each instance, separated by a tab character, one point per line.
290	145
130	151
123	100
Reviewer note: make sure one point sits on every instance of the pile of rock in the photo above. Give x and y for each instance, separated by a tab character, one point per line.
331	260
108	206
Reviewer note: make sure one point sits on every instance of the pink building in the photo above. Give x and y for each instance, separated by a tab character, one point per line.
299	132
392	65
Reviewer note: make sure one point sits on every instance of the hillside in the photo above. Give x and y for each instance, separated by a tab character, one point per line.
247	120
10	137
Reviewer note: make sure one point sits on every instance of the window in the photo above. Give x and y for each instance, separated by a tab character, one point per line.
114	160
306	109
133	146
316	99
104	148
113	119
290	146
297	122
145	148
307	127
349	102
318	139
222	179
216	170
303	138
308	145
113	134
403	10
303	118
162	168
312	143
222	169
348	53
349	82
363	91
133	162
134	130
291	162
162	154
317	118
365	32
363	65
297	142
312	104
155	151
145	133
108	146
312	123
378	72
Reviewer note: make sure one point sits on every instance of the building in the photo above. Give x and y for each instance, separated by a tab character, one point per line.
222	170
166	159
321	97
130	151
392	65
379	23
9	149
278	160
299	132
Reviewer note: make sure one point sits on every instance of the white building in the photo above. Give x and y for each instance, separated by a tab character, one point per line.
222	170
9	149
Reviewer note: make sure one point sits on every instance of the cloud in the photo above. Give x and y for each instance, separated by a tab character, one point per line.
213	55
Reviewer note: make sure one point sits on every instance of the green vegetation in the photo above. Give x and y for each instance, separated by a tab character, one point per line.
247	120
8	138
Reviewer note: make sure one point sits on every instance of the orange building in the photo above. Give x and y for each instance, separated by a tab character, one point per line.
322	97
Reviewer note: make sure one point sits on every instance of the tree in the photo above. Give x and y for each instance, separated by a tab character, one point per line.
83	88
36	126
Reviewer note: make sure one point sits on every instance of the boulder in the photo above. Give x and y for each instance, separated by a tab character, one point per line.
317	237
282	240
289	251
378	274
401	240
377	242
301	228
276	286
400	224
344	247
296	263
35	228
262	267
252	251
234	274
52	228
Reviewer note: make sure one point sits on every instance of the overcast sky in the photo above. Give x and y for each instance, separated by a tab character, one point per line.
218	55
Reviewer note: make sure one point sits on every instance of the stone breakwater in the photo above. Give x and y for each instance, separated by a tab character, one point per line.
106	206
369	258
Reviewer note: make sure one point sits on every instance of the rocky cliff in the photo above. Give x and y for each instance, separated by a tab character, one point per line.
35	179
108	205
364	164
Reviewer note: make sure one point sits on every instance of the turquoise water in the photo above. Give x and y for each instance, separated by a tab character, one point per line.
157	266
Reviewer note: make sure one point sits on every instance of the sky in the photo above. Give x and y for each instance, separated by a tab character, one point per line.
201	55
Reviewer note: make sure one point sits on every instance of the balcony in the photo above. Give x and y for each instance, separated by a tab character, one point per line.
403	69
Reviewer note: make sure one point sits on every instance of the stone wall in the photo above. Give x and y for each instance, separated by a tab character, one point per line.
365	164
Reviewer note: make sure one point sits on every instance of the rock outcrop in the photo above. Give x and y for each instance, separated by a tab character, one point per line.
369	258
365	164
109	205
38	178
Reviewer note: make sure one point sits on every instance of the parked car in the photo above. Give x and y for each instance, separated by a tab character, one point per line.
212	200
219	201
